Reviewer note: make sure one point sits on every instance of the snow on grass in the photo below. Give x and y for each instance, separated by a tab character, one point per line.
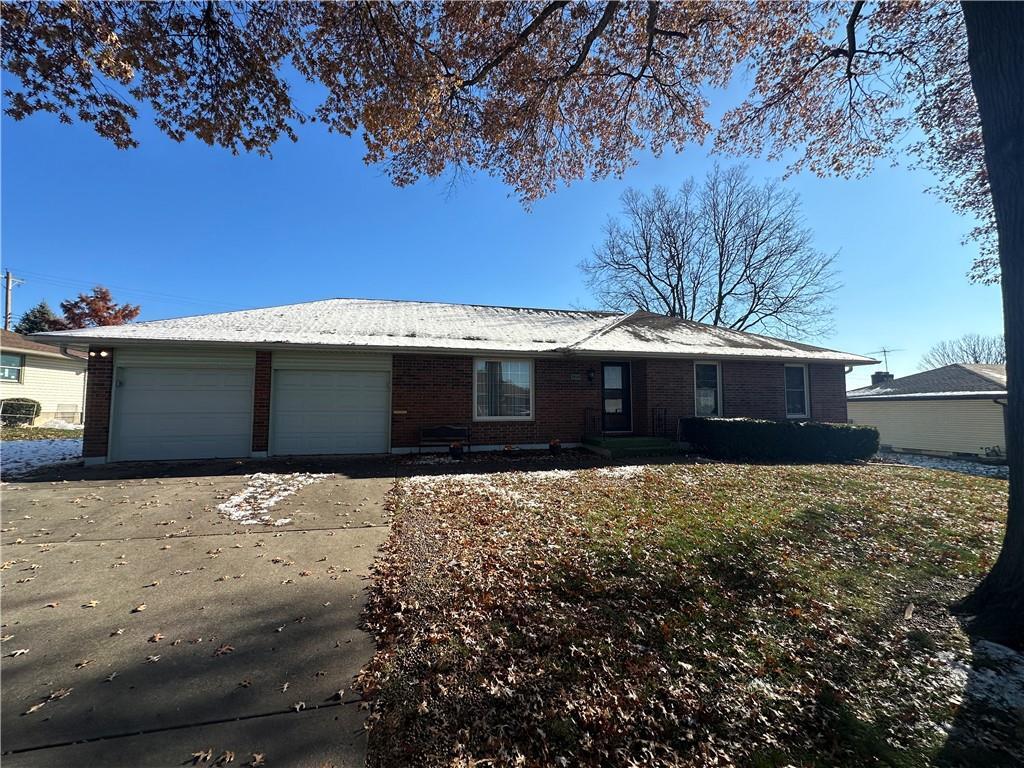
251	505
18	457
963	466
61	424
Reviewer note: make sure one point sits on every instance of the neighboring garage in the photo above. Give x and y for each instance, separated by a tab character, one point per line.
957	410
175	405
330	403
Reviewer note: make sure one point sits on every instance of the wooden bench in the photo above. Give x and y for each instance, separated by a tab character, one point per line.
445	435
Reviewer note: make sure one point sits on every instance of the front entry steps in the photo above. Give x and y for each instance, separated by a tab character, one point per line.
626	447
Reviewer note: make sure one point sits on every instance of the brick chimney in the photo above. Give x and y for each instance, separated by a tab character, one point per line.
880	377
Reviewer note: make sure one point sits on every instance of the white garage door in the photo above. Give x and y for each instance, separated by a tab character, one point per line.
330	411
166	412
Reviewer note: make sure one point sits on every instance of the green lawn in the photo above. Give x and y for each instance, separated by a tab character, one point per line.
701	614
38	433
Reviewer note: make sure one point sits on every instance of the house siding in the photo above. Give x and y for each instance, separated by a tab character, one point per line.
934	426
57	384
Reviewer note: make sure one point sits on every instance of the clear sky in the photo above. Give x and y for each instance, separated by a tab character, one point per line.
186	229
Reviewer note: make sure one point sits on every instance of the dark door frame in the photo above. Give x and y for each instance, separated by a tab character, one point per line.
626	393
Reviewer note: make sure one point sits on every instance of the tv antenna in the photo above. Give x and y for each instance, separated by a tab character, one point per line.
885	352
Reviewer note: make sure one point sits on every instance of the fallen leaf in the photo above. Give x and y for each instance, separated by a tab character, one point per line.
139	608
153	659
34	708
203	756
19	652
84	663
156	638
908	612
91	604
227	757
298	706
257	760
52	605
224	650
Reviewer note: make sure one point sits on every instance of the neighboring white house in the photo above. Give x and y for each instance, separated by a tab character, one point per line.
49	374
954	410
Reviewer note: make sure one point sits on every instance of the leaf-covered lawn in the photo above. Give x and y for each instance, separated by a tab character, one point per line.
700	614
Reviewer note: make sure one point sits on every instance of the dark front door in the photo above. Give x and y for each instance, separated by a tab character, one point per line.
615	403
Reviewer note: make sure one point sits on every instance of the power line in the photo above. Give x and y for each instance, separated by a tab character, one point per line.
70	282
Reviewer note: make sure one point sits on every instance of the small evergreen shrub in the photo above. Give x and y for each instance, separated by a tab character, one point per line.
779	440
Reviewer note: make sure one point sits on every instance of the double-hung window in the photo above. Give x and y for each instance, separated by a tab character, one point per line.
502	389
707	389
11	366
796	392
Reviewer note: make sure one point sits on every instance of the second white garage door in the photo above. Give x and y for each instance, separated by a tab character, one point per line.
329	412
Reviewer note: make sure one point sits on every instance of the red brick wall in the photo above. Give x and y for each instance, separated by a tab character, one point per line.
828	392
261	402
435	390
99	382
755	390
670	386
439	390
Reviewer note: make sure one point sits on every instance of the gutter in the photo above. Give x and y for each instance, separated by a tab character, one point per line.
552	353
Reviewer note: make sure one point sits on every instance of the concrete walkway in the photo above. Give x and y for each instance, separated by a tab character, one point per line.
248	639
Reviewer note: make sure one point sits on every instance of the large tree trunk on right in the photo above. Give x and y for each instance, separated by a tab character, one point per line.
995	35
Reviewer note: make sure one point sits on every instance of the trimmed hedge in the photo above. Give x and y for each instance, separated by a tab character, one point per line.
779	440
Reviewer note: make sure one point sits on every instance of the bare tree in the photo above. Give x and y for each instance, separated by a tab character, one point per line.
972	348
729	252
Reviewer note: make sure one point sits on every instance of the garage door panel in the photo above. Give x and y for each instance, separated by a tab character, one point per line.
182	413
330	412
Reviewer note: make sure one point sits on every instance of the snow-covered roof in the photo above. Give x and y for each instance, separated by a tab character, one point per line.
960	380
372	324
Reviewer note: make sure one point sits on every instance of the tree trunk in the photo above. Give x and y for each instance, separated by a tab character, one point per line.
995	36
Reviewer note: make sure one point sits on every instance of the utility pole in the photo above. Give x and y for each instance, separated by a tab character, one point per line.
8	284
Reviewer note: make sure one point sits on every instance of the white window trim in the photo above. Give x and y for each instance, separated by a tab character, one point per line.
718	381
807	394
21	368
533	388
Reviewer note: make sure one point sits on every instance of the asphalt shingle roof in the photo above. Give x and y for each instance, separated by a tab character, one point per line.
428	326
949	380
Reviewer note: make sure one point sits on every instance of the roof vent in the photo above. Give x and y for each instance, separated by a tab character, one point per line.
880	377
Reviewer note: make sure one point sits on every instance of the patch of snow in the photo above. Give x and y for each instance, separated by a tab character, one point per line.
18	457
60	424
963	466
252	504
433	458
625	471
992	679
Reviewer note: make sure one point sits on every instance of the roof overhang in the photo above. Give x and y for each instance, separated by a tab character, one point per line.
723	354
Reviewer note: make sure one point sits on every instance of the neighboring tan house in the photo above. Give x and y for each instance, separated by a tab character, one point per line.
954	410
52	375
354	376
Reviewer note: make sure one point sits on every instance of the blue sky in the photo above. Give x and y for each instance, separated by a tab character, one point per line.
185	229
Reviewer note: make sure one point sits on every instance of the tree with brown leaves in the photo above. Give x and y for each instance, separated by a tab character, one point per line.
96	308
540	93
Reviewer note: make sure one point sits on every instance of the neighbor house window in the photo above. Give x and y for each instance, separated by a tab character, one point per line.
707	389
503	389
11	367
796	391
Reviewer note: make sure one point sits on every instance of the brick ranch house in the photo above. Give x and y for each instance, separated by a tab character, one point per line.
353	376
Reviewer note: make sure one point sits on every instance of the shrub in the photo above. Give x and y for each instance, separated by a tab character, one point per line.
18	411
779	440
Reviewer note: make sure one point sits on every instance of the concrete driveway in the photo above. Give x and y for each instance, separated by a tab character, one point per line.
156	628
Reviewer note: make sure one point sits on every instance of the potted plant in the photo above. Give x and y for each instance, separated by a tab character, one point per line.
555	446
455	450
